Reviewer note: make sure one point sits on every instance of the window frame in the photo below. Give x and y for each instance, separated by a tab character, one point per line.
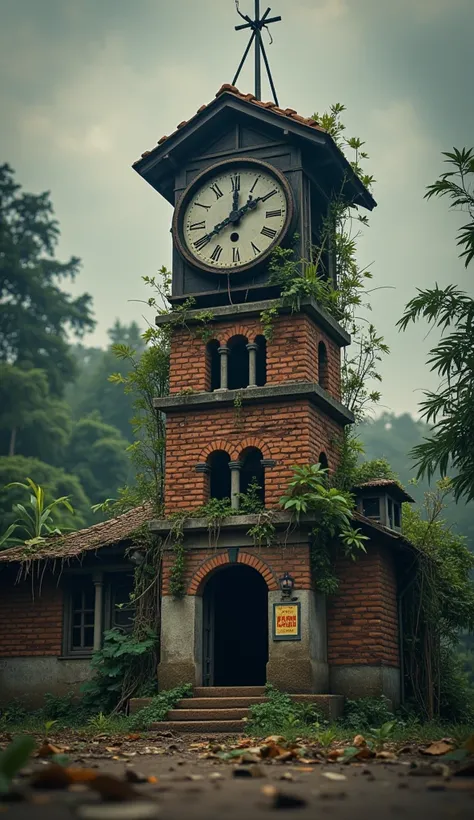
68	652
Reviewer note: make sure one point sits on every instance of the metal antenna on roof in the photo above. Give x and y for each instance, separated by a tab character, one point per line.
257	26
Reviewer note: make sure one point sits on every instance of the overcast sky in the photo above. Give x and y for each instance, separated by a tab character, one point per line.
88	85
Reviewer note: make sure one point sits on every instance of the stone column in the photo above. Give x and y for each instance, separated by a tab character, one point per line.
223	351
98	580
252	349
235	467
181	642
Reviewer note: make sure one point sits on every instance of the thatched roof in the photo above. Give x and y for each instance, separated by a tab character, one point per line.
74	544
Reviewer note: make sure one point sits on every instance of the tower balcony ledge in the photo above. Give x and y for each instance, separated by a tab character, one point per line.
287	391
225	313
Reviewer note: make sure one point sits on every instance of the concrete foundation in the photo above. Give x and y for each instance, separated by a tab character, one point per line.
181	642
300	666
31	678
355	681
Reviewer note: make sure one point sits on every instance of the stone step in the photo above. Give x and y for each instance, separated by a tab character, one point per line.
207	714
228	691
201	727
218	703
331	706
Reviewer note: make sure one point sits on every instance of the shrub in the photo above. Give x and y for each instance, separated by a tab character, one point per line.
280	714
367	713
112	664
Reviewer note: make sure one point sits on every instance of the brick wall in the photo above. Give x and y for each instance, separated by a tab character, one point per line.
288	433
292	355
362	618
30	625
272	563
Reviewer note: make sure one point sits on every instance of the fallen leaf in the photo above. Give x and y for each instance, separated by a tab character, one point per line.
287	776
438	748
274	739
305	768
134	737
48	750
51	777
359	741
110	788
335	754
77	775
334	776
383	755
311	761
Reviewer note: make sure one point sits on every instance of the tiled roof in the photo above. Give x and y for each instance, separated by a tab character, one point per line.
384	483
288	113
75	543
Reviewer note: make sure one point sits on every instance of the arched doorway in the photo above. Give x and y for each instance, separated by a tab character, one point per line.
235	640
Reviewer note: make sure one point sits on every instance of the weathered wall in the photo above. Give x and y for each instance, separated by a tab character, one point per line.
292	354
289	434
31	622
30	678
30	616
362	617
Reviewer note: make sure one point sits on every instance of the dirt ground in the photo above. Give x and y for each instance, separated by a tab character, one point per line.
188	783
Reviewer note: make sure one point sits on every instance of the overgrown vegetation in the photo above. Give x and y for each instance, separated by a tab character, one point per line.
159	707
281	715
437	605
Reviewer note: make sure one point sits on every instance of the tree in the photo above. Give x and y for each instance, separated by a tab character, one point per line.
93	390
32	423
36	315
97	455
450	409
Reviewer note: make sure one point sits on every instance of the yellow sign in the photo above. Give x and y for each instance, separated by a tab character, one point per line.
286	623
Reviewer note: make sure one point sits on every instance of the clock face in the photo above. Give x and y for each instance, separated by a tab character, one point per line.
234	218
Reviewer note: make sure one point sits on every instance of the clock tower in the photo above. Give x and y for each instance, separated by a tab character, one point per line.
245	177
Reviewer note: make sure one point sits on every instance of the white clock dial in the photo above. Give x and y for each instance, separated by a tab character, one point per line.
235	217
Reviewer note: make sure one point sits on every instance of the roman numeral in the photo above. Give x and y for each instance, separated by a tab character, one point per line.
202	242
273	213
270	194
235	183
255	249
235	255
254	185
199	226
207	207
217	191
216	253
268	232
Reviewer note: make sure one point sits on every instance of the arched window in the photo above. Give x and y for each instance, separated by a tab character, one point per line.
213	365
219	478
323	374
238	367
261	364
323	460
252	472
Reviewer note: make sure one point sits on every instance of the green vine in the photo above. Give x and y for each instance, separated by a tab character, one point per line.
309	492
